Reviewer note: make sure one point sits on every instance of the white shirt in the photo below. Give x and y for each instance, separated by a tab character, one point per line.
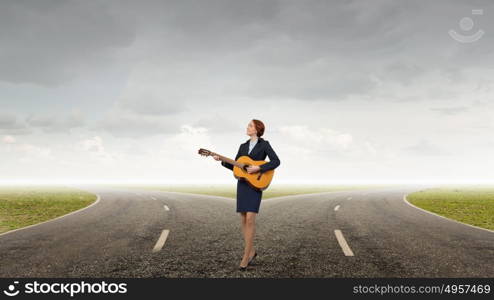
252	144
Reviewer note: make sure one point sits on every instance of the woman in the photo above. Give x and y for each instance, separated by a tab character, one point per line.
249	198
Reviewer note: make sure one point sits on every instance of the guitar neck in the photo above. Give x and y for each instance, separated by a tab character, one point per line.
228	160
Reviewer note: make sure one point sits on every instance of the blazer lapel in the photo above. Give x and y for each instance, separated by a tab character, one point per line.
256	148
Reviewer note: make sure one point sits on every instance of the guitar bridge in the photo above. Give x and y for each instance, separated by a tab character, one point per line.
259	177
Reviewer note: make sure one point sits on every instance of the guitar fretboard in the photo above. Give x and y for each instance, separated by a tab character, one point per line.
228	160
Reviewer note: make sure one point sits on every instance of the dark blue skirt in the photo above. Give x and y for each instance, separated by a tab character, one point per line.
248	198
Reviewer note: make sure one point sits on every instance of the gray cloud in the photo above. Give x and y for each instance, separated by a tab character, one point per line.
128	125
219	124
313	49
150	75
149	104
426	148
10	124
14	124
52	123
307	50
451	110
7	120
52	42
403	72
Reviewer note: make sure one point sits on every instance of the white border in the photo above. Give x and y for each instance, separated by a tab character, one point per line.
59	217
406	201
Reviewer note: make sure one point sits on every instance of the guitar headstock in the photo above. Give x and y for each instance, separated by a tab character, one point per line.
205	152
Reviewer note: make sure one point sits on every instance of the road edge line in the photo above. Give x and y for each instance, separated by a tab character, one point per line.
98	198
449	219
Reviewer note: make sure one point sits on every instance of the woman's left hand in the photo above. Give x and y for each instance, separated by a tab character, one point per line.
253	169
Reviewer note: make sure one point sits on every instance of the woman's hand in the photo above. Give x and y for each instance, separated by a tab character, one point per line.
253	169
216	157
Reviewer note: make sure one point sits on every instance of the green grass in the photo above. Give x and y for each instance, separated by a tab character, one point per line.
230	190
21	206
471	204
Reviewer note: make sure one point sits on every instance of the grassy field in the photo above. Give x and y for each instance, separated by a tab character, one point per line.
21	206
473	204
230	190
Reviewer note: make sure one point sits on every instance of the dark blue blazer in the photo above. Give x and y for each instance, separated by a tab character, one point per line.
261	149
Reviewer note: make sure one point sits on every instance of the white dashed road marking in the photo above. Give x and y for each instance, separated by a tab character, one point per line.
336	207
343	244
161	241
349	198
166	207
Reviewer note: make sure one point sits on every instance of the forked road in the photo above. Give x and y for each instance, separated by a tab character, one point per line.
139	233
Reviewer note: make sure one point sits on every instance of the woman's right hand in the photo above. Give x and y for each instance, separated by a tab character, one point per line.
216	157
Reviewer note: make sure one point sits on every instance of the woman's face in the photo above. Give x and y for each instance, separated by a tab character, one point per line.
251	129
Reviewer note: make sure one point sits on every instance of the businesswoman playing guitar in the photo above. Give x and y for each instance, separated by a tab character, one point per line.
248	197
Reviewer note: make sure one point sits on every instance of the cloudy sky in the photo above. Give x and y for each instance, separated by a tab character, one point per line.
350	91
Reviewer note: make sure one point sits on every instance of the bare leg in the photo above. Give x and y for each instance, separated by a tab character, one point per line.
243	219
249	233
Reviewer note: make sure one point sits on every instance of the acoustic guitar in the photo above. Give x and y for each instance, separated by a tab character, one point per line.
258	180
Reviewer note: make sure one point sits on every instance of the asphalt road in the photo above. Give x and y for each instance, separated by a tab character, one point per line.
140	233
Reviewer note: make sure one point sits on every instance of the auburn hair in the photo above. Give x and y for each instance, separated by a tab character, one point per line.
259	127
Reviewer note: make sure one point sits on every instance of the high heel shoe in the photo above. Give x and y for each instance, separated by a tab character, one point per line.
243	268
252	258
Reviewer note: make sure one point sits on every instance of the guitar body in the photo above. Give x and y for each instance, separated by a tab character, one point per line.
257	180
